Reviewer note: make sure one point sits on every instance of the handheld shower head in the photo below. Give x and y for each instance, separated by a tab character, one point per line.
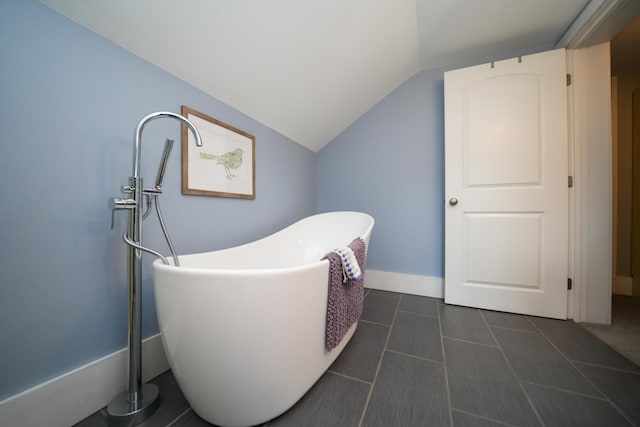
168	145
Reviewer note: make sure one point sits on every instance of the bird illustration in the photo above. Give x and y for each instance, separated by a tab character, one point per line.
230	160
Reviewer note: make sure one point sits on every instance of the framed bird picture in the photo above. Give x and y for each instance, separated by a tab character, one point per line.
224	165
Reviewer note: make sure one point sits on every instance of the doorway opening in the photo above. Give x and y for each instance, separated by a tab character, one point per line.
624	332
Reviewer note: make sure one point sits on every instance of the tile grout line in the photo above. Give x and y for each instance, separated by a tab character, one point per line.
178	417
470	342
583	374
375	377
597	365
602	398
513	372
418	314
373	323
513	329
348	377
444	365
413	356
485	418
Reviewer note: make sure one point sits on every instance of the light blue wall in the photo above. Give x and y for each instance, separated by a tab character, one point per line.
389	164
69	104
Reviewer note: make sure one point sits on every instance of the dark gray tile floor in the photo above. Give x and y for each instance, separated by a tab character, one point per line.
414	361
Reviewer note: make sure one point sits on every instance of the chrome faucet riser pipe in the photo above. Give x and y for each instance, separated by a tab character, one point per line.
135	373
139	402
135	320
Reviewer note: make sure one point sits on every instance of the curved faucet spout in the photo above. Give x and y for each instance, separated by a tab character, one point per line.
142	124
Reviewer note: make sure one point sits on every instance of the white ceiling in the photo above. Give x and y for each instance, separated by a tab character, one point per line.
309	68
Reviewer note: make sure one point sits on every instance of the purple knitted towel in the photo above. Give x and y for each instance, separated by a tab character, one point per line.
345	299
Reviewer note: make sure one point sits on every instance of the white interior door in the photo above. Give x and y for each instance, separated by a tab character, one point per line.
506	163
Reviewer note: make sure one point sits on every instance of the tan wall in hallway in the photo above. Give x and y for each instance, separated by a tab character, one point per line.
626	86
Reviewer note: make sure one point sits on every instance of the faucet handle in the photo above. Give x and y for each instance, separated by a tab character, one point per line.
118	203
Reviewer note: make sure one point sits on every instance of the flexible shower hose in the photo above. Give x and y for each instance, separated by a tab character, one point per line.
166	232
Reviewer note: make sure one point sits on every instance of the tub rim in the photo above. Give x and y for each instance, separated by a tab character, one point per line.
160	266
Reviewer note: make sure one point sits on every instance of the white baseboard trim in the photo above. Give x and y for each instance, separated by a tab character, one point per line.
427	286
622	285
71	397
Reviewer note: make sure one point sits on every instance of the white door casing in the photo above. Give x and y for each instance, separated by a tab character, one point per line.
592	147
506	166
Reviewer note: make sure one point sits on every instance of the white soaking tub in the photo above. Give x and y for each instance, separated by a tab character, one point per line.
244	328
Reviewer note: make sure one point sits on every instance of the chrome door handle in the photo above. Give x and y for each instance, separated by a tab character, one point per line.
453	201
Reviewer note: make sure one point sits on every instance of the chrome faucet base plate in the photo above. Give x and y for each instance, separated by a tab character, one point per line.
124	413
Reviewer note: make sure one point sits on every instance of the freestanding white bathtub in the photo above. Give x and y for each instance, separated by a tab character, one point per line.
244	328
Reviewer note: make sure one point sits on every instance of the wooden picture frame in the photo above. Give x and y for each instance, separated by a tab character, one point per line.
225	164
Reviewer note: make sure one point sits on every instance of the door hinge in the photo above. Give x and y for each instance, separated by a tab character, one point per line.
570	182
568	79
569	284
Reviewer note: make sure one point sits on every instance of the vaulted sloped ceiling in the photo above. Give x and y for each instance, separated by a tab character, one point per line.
310	68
